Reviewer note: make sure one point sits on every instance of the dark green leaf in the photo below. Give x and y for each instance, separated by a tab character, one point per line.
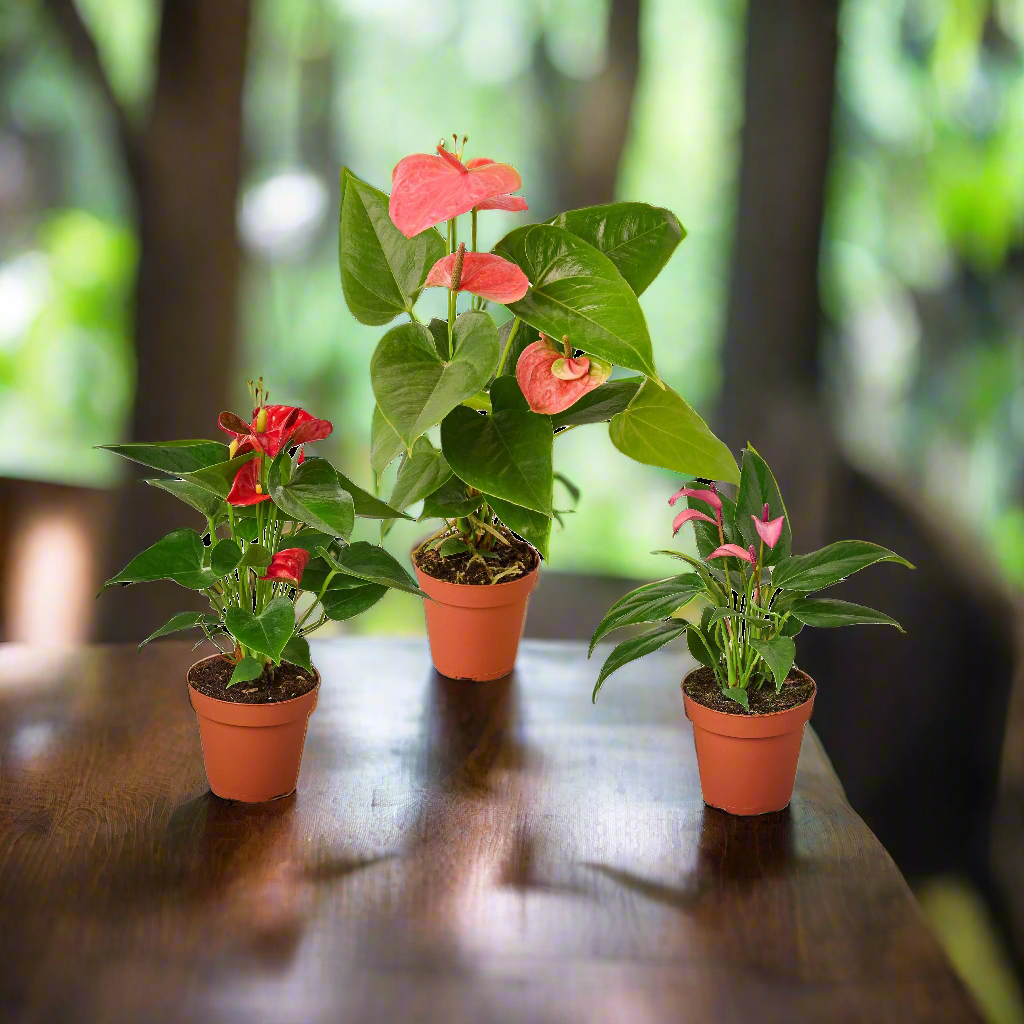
259	557
367	505
507	454
778	654
699	645
452	546
224	557
420	474
738	694
791	627
636	647
439	332
385	444
205	502
308	540
830	564
296	651
574	491
177	557
639	239
533	527
266	633
313	496
827	612
757	486
176	457
650	603
183	620
525	337
577	291
450	501
352	601
599	405
373	564
219	478
658	428
382	271
246	670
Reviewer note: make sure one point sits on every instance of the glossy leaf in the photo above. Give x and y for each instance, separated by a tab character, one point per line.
533	527
757	486
313	496
636	647
827	612
245	671
176	457
224	557
258	557
639	239
204	501
266	633
450	500
308	540
368	562
220	477
177	556
416	389
830	564
507	454
439	332
525	337
367	505
452	546
183	620
599	405
651	603
421	473
296	651
385	444
739	695
382	271
778	654
348	602
577	291
659	428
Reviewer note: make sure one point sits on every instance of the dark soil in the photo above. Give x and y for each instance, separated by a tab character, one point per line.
517	555
704	689
289	681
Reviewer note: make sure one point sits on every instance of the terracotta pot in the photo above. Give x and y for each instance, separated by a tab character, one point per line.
252	751
474	631
747	763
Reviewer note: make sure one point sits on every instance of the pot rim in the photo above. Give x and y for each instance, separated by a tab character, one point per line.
236	704
477	586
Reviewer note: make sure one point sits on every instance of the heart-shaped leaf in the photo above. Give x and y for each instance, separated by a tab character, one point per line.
183	620
258	557
177	557
778	654
382	271
246	670
450	500
367	505
296	651
266	633
225	557
658	428
578	291
758	486
415	388
201	499
313	495
385	444
639	239
508	453
421	473
599	405
533	527
368	562
347	603
177	457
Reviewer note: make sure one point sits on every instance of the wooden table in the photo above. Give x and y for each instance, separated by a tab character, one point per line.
455	853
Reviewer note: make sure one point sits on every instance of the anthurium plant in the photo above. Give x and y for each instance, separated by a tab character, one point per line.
273	554
534	330
747	595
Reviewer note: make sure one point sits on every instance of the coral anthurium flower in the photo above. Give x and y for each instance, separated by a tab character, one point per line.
428	189
273	427
288	565
711	497
552	379
735	551
482	273
769	530
246	490
686	515
515	204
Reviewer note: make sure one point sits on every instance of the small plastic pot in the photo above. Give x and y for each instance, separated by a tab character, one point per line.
747	763
474	631
252	752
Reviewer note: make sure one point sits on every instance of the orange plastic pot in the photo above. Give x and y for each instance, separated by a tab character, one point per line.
747	763
474	631
252	751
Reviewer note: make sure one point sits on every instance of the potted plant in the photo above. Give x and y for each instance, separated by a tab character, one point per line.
500	395
742	605
274	559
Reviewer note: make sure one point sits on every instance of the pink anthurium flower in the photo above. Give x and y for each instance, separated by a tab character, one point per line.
711	497
552	379
273	427
288	565
768	530
428	189
686	515
479	273
515	204
735	551
247	490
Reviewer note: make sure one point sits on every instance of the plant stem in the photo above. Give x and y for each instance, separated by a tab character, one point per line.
508	346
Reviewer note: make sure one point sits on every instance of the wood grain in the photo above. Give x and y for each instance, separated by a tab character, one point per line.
456	852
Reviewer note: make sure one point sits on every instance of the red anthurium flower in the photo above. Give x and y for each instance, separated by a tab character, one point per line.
735	551
711	497
246	489
281	425
686	515
768	530
288	565
552	379
483	273
428	189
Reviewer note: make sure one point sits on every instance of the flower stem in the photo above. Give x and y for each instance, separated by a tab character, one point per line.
508	346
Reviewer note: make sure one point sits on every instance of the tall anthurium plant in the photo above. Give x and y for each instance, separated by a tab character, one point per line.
273	555
501	395
752	593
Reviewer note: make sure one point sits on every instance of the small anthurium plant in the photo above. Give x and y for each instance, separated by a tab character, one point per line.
751	594
501	394
273	555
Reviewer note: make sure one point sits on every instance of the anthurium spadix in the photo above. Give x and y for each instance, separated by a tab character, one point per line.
479	273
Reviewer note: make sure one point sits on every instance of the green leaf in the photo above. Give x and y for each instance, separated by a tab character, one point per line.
258	557
636	647
574	491
414	388
177	557
650	603
205	502
266	633
778	654
533	527
382	271
702	570
224	557
309	540
599	405
827	612
452	546
639	239
368	562
525	337
699	645
757	486
385	444
246	670
830	564
219	478
507	454
738	694
352	601
183	620
313	496
439	332
577	290
296	651
791	627
450	501
367	505
658	428
421	473
175	457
